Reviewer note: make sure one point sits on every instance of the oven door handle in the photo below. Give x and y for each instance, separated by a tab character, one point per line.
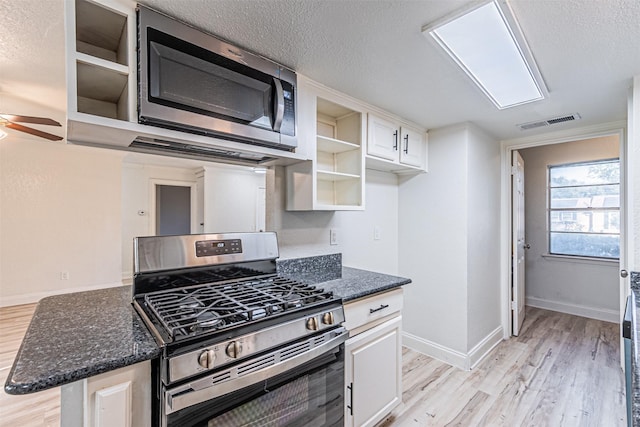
214	386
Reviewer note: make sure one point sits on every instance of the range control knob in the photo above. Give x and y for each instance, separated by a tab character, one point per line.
233	349
312	324
206	359
327	318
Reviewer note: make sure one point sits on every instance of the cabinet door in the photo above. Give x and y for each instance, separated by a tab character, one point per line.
383	140
412	146
373	374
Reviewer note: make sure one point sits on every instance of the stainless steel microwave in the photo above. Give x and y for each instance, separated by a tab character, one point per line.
193	82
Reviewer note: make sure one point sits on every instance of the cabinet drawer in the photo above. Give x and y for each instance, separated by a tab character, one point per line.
363	311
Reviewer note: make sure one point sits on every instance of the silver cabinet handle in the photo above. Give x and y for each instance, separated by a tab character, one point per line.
406	144
624	273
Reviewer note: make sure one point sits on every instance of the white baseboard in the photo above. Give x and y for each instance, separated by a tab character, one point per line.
458	359
575	309
482	349
37	296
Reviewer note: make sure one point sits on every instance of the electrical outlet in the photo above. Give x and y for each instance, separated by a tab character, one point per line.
333	236
64	275
376	233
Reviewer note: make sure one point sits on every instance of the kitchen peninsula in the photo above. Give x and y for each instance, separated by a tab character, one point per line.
97	333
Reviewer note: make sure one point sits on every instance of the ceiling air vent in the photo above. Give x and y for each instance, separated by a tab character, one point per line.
548	122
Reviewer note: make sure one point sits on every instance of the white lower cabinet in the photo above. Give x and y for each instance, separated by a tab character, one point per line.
373	362
120	398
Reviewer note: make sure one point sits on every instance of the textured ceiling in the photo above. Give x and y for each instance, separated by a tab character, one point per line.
587	52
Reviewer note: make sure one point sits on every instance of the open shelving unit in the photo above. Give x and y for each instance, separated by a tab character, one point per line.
334	179
101	63
338	155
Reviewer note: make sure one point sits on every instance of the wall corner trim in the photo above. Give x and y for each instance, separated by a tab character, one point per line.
460	360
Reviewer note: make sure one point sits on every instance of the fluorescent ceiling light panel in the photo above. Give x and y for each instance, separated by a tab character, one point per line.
492	53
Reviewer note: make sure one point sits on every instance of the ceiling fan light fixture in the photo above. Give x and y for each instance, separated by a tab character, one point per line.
488	44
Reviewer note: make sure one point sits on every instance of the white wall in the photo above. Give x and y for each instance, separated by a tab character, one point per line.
136	196
307	233
448	235
234	199
433	243
483	220
558	283
60	213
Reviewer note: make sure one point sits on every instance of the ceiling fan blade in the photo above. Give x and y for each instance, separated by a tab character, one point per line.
30	119
35	132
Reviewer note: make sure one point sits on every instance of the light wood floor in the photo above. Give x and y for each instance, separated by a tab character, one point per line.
31	410
561	371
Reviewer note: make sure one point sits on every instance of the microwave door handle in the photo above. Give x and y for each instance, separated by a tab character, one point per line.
278	105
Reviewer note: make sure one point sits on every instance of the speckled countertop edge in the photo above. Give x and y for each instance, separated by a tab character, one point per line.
64	344
635	366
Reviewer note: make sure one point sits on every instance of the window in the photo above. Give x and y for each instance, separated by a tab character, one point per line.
584	209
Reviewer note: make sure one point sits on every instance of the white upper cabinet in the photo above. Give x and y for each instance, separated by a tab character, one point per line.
395	146
412	147
383	138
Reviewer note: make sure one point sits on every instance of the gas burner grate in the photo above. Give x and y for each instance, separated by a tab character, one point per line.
194	310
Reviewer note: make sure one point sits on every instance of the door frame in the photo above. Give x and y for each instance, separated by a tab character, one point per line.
506	148
153	183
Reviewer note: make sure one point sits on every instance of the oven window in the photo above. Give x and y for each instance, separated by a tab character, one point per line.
287	405
312	395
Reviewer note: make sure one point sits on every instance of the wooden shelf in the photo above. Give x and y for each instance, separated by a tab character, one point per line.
101	63
331	145
335	176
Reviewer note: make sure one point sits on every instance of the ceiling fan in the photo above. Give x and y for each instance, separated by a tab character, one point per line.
8	120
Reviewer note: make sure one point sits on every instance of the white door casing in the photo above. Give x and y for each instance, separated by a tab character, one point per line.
153	183
518	244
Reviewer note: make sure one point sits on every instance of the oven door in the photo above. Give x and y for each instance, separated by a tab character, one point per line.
301	384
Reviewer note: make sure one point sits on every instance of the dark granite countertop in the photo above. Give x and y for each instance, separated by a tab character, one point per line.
78	335
347	283
635	360
356	283
75	336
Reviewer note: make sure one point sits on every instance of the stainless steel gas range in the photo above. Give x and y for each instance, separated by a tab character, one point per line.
242	346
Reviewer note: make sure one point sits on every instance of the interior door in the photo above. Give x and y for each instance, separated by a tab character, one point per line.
517	243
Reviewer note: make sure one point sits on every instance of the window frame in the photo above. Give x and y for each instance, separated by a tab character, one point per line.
575	211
